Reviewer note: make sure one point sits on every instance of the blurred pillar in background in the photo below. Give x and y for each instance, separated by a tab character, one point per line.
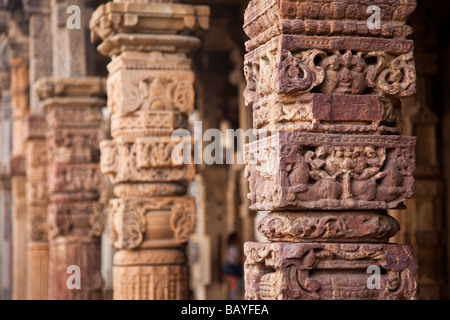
150	94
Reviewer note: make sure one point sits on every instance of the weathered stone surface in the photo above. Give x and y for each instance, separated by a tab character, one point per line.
330	172
331	271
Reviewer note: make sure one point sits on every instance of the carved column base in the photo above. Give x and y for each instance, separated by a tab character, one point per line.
329	271
73	251
150	275
37	271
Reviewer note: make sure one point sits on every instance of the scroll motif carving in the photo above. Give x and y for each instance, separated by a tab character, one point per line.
132	220
299	72
328	226
330	72
182	221
128	226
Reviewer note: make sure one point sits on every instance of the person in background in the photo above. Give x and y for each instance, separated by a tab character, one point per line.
233	268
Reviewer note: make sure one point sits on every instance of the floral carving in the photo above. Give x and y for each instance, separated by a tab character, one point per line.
182	220
298	72
327	226
393	76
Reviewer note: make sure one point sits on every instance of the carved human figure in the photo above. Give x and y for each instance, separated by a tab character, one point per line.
324	163
344	74
294	172
391	187
367	172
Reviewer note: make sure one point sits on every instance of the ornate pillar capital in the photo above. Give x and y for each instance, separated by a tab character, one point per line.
146	26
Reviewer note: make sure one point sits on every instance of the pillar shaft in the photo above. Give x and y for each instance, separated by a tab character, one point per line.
150	94
324	87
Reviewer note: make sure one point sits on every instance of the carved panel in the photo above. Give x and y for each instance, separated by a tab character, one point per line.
36	160
37	193
311	271
330	172
67	117
74	145
149	159
84	219
149	222
298	68
74	181
147	123
143	90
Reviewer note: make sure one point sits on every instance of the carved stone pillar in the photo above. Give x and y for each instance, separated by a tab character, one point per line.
328	162
19	100
75	216
40	65
37	201
150	94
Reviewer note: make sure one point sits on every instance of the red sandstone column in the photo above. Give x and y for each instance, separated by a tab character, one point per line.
75	215
328	163
36	201
150	94
20	108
